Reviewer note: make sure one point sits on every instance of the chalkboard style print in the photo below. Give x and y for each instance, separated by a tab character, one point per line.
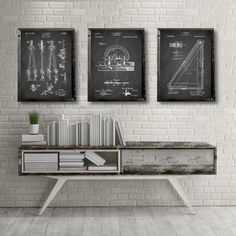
116	65
186	65
46	65
116	58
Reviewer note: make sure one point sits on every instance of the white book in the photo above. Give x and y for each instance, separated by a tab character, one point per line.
119	139
39	157
107	132
71	155
72	134
56	133
107	167
71	160
95	130
82	134
71	169
94	161
95	158
34	143
63	132
100	130
77	134
53	133
49	135
40	164
110	132
71	164
85	133
113	132
32	137
121	133
91	131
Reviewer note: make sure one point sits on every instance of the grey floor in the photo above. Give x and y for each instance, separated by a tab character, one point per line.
113	221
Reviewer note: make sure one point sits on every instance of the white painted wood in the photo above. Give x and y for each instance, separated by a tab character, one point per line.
120	177
60	182
175	184
51	152
62	179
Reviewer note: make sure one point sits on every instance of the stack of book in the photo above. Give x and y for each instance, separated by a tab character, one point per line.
33	139
72	162
94	131
97	163
37	162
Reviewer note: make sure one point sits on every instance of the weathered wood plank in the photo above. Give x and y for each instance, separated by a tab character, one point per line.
168	161
167	145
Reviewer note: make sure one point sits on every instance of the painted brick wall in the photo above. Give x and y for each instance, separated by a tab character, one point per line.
209	122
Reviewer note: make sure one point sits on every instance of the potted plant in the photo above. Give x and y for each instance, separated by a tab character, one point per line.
34	122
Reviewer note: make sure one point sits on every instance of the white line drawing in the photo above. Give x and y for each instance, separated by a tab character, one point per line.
64	77
33	87
48	90
62	55
116	58
52	63
115	83
177	55
176	44
127	93
41	48
31	69
104	92
195	57
60	92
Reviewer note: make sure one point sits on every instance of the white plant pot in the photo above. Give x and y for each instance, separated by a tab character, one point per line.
34	129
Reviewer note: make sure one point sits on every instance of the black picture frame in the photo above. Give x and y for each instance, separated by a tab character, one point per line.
116	64
46	65
186	65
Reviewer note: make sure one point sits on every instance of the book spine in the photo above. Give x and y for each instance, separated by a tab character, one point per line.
76	134
113	132
100	130
53	131
49	135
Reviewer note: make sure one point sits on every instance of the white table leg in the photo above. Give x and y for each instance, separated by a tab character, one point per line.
58	185
175	183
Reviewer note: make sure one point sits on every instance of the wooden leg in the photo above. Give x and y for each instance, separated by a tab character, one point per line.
60	182
175	183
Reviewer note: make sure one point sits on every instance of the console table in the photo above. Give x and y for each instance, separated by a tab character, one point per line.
136	160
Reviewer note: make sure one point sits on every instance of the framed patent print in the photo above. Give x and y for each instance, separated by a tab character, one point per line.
46	65
116	65
186	65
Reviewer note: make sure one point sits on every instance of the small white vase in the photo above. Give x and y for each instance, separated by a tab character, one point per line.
34	129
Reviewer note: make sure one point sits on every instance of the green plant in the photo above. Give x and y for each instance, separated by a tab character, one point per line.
34	117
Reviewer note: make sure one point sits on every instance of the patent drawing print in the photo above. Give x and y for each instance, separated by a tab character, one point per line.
46	65
186	65
116	58
116	65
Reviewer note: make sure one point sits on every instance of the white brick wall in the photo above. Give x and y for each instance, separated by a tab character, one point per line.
209	122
